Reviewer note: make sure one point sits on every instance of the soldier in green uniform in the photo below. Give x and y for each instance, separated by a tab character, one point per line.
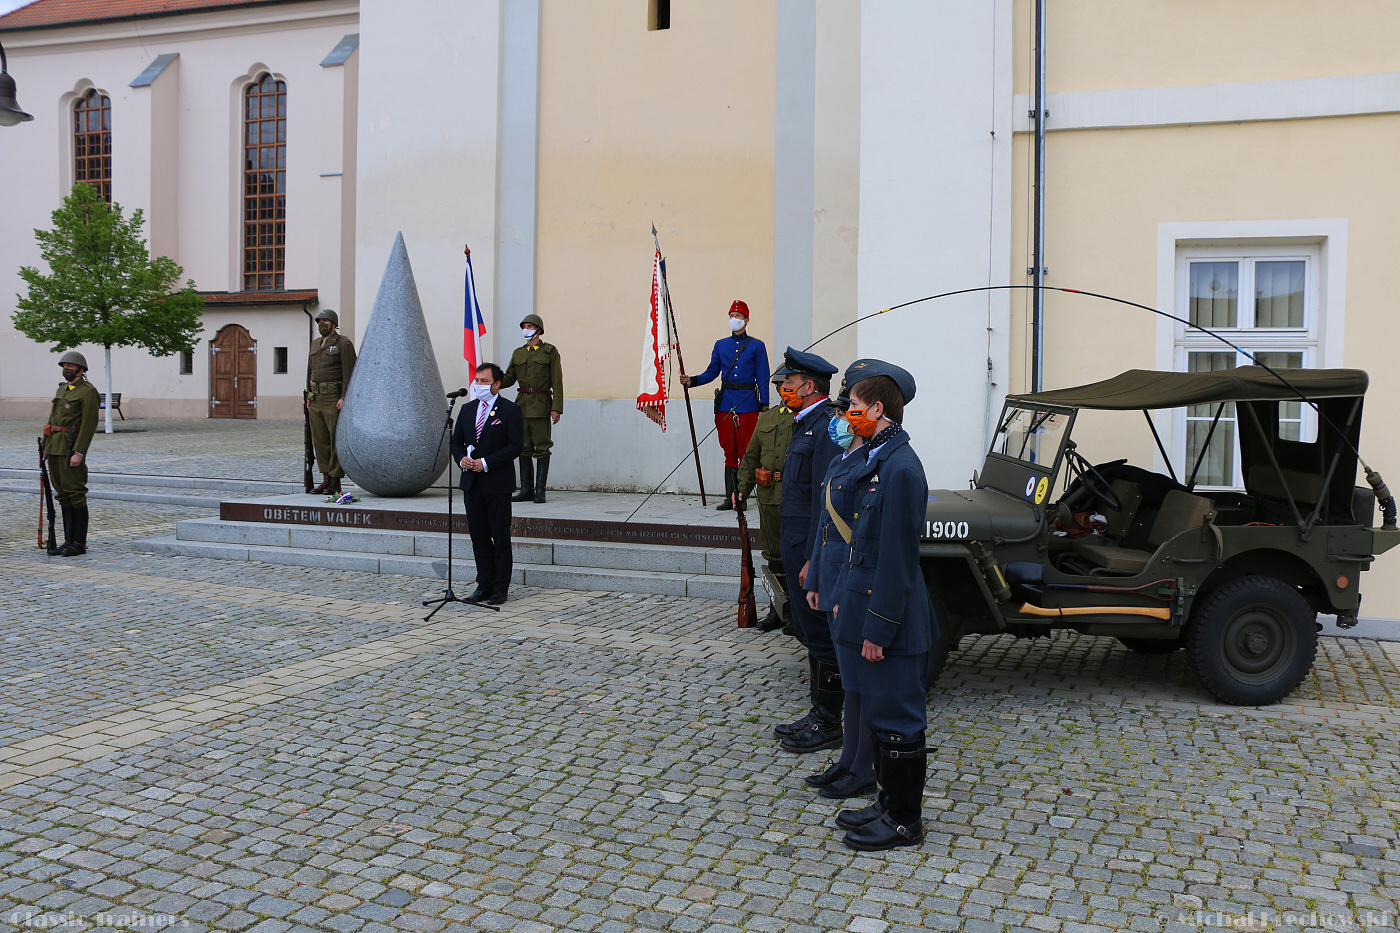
541	399
762	468
328	371
69	430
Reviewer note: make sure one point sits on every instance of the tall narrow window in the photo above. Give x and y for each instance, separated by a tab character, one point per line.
658	14
265	184
92	142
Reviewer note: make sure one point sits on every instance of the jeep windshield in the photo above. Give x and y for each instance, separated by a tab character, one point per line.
1032	435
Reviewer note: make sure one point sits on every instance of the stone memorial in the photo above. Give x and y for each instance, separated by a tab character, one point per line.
390	438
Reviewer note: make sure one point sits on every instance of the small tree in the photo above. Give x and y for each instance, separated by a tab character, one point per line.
104	288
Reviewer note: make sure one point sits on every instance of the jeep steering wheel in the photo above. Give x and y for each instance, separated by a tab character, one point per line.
1093	480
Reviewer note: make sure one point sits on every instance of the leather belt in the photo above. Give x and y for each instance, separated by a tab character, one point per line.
57	429
530	390
738	386
325	388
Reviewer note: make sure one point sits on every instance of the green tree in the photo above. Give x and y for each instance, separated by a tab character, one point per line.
104	287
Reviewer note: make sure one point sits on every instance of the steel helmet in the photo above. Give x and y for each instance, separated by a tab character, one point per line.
328	315
533	319
74	357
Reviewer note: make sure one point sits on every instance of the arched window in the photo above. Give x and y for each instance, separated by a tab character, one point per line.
92	142
265	184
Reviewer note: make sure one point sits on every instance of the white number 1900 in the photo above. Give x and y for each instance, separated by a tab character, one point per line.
945	530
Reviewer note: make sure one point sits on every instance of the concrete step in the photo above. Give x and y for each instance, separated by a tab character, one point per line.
123	493
252	486
598	555
526	572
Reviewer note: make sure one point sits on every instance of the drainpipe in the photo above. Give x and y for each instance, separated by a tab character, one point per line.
1038	270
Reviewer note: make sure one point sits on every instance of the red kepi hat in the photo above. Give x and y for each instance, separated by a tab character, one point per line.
739	307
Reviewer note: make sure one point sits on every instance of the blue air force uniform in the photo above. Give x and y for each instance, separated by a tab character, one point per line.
808	453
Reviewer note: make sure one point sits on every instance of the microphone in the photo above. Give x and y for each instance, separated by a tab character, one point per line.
459	393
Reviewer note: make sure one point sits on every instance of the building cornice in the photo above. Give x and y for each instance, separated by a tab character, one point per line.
279	13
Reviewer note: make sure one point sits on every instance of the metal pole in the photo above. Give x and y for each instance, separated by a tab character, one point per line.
1038	271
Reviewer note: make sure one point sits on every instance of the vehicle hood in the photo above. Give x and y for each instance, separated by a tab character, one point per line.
987	514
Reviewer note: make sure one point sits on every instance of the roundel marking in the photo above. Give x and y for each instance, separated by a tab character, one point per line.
1030	487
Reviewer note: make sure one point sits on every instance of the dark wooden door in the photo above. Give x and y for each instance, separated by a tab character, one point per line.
233	374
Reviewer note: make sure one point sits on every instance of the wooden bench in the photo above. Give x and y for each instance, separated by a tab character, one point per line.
116	402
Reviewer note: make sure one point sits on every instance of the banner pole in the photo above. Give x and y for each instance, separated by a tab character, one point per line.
680	363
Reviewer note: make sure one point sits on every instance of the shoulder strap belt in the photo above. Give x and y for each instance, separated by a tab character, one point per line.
836	520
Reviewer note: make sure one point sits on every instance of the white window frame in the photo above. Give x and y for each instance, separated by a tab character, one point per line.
1322	244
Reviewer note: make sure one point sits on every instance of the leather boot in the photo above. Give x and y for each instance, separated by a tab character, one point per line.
824	726
324	487
527	481
77	543
541	477
903	770
783	730
334	488
68	526
772	621
731	484
851	819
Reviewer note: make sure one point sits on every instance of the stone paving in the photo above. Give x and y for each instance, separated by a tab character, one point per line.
199	745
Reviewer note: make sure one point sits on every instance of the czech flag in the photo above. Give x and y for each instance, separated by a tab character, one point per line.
473	325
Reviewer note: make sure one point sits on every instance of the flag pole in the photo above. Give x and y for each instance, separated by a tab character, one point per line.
680	362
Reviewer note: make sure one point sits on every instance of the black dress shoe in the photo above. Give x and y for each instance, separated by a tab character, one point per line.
497	598
72	549
848	785
829	776
885	833
479	595
852	819
771	622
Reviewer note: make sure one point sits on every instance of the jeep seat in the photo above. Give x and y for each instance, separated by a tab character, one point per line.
1181	511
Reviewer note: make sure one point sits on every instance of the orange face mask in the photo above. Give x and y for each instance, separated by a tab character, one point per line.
790	398
862	425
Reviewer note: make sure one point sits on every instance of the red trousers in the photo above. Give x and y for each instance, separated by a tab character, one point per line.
734	434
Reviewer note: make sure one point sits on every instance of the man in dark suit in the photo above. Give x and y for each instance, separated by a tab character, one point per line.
487	438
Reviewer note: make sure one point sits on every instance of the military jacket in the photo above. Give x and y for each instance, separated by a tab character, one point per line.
767	450
332	360
808	455
74	406
536	368
881	592
829	554
739	361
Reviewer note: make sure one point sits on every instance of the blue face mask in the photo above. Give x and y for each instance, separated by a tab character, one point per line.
840	431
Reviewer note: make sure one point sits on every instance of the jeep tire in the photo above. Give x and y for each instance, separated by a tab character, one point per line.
1252	640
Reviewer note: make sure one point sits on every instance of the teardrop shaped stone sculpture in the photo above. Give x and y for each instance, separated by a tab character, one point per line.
390	434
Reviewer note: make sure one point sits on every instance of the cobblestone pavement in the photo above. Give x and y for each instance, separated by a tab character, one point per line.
227	448
256	747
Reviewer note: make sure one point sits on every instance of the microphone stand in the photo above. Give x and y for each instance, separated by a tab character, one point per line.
448	595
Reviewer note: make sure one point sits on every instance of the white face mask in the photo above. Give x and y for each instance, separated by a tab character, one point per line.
737	324
528	333
482	393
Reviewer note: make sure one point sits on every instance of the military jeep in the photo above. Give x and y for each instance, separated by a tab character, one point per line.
1044	539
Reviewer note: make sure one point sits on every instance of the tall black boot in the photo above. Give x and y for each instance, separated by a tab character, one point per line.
824	726
783	730
731	484
527	481
850	819
68	526
903	770
78	537
541	477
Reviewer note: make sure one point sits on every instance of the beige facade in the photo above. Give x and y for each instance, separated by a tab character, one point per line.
623	144
1268	137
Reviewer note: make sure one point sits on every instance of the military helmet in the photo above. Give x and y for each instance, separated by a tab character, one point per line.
74	357
533	319
328	315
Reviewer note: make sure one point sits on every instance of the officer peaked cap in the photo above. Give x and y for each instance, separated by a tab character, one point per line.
861	370
802	363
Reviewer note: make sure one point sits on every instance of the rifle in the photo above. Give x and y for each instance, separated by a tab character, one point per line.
748	609
309	459
45	497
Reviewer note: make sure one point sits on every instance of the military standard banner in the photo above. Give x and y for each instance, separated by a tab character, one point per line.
656	347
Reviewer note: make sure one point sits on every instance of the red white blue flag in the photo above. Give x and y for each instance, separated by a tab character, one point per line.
473	324
656	347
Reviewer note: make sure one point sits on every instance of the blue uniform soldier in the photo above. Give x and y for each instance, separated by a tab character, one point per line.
742	363
882	618
804	389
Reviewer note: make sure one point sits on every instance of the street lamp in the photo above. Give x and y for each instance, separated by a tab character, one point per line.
10	110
